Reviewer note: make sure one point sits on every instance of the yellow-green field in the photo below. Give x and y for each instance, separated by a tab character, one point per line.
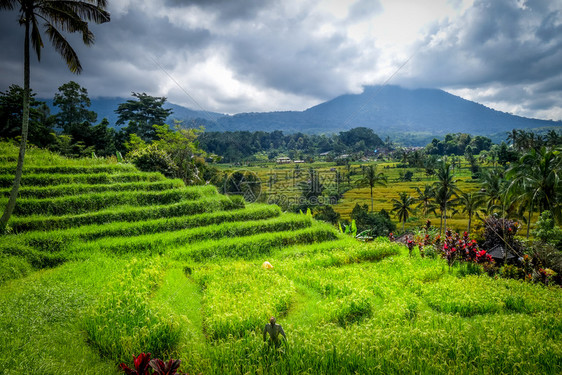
286	179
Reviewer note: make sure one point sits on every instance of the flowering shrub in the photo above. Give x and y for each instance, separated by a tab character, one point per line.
146	366
546	275
453	247
410	245
500	231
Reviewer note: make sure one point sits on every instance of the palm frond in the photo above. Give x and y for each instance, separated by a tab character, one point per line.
84	10
63	47
36	40
66	20
7	4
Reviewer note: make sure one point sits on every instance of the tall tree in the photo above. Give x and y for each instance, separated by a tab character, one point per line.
493	190
470	202
142	114
74	115
371	179
445	189
537	176
56	15
11	117
425	199
402	207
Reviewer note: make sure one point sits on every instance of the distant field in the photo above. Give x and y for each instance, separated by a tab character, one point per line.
286	179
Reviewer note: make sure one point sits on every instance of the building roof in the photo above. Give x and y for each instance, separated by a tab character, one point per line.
498	252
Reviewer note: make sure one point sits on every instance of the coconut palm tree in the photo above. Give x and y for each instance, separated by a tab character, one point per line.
402	207
536	179
56	16
371	178
425	199
469	202
493	188
445	189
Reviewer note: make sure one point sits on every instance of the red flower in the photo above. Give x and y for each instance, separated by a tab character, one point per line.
162	368
141	365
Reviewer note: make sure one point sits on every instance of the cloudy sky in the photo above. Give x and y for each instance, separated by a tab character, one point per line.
235	56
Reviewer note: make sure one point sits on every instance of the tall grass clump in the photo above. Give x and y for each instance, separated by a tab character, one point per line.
471	295
240	297
339	253
42	157
71	169
37	257
13	267
124	322
93	232
96	201
40	330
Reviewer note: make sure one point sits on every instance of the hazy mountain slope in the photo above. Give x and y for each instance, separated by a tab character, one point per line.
105	107
388	110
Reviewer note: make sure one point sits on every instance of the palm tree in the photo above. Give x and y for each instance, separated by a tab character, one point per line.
470	202
537	179
402	207
425	199
552	138
515	137
493	190
66	15
371	178
445	189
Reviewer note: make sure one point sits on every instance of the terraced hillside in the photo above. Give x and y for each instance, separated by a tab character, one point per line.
105	262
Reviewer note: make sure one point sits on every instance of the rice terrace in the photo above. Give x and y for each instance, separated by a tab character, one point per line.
363	187
110	262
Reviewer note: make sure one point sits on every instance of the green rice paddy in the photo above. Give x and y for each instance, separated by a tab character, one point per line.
87	285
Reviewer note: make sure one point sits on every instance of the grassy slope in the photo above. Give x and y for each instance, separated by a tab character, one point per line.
203	296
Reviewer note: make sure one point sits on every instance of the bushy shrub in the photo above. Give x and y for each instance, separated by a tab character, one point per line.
13	267
153	159
377	224
327	214
547	231
500	231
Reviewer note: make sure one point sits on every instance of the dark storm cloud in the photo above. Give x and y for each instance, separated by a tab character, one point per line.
293	55
495	43
120	61
226	10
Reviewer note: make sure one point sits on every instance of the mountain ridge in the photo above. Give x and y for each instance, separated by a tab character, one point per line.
388	110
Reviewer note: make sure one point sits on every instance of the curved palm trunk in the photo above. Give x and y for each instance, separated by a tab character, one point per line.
371	199
445	218
469	222
529	221
24	130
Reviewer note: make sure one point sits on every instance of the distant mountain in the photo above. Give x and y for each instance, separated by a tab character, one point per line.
105	107
389	110
413	116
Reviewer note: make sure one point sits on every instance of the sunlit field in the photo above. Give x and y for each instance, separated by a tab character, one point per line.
282	180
